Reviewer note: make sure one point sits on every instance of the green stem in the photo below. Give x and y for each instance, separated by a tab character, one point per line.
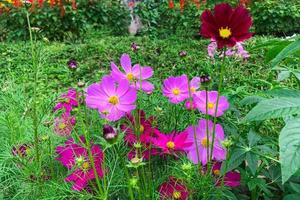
217	105
193	125
35	68
207	130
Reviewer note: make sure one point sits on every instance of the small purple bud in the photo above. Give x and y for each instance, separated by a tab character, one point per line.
205	79
134	47
72	64
109	133
182	53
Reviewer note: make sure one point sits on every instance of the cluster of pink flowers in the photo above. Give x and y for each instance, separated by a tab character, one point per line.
74	156
237	51
63	125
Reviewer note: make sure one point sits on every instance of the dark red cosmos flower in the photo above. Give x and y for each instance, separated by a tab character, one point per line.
226	25
173	189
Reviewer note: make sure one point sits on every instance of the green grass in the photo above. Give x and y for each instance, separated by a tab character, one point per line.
242	78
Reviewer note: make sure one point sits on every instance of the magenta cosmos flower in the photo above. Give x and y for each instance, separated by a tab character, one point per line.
67	101
112	98
143	133
64	124
226	25
231	179
173	189
219	153
200	100
176	88
136	75
75	156
172	143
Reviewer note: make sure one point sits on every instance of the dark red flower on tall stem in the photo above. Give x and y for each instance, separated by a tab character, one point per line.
173	189
226	25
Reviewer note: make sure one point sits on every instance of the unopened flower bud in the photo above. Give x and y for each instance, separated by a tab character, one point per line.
182	53
227	143
72	64
109	133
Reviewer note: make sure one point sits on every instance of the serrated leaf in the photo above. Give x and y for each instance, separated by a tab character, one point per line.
251	100
287	51
252	160
274	108
253	138
289	144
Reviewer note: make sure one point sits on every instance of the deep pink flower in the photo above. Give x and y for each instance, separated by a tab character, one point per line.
190	106
136	75
112	98
75	156
219	153
176	88
64	124
231	179
173	189
200	100
67	101
146	131
172	143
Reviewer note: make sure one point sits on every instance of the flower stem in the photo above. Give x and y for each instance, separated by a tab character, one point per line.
217	105
35	68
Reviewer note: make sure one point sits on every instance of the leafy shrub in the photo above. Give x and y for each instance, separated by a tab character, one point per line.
276	17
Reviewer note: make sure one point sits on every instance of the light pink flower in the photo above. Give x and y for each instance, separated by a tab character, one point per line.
64	124
136	75
172	143
194	86
219	153
176	88
112	98
200	100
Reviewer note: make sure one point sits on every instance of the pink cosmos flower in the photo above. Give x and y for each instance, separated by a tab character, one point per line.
75	156
112	98
200	99
63	125
231	179
136	75
237	51
212	49
176	88
173	189
67	101
219	153
172	143
194	86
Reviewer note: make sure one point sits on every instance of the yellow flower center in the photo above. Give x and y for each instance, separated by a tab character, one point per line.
114	100
225	32
27	150
204	142
193	90
130	76
210	105
216	172
176	194
170	145
142	128
85	165
62	126
176	91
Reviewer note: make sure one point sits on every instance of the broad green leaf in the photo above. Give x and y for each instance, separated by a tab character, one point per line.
292	197
284	92
287	51
283	75
253	138
274	108
289	144
251	100
252	160
237	157
295	187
